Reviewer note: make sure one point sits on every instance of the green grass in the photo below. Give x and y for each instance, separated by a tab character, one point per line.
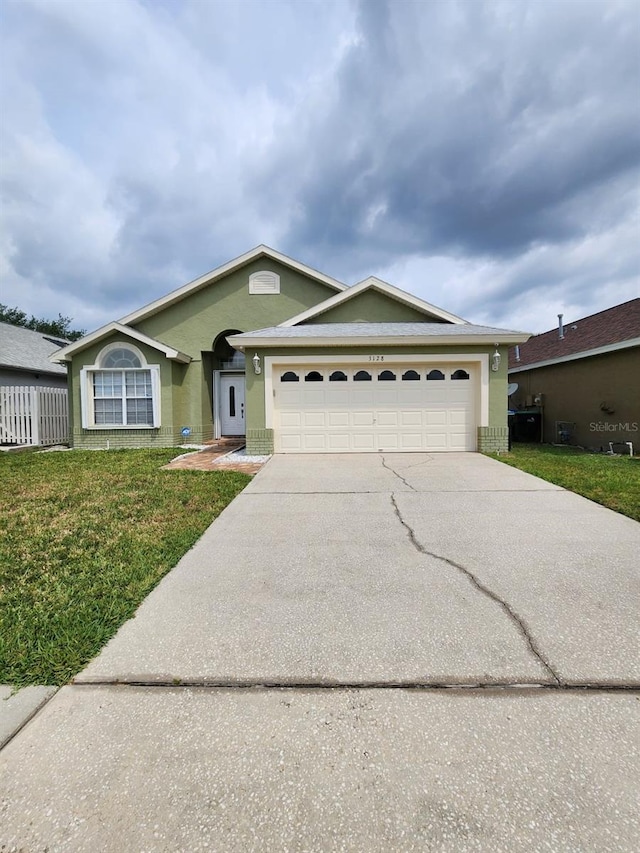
613	481
84	537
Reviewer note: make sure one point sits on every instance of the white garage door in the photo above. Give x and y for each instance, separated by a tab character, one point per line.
367	410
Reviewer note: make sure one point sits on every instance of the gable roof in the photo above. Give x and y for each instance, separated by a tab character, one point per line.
210	277
609	330
373	283
365	334
24	349
68	352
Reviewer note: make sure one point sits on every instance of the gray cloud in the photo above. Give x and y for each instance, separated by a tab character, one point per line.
479	132
484	155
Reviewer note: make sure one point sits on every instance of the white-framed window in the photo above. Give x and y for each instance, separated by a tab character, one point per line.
263	282
120	391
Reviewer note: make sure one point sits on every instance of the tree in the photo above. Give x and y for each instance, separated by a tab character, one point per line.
56	328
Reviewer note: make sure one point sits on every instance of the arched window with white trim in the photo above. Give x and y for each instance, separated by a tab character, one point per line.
120	390
121	356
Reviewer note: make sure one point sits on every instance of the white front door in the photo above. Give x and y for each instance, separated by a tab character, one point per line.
232	404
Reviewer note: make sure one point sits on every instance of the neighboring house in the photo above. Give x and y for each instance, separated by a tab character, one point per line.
329	368
33	390
24	358
585	376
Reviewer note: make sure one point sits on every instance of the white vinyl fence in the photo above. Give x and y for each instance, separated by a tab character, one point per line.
33	415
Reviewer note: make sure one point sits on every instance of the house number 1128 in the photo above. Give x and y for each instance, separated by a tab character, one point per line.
376	358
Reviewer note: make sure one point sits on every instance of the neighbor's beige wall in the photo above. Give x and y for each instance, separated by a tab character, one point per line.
575	391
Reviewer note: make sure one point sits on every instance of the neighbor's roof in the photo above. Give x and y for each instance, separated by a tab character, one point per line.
612	329
24	349
362	334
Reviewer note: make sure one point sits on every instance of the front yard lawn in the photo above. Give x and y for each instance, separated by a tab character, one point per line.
613	481
84	537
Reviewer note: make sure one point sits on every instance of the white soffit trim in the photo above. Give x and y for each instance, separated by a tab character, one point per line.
213	275
373	283
632	342
67	353
244	341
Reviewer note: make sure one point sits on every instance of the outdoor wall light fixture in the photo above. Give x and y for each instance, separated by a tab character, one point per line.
256	364
495	360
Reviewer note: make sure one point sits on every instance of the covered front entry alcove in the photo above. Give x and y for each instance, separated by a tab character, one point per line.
228	387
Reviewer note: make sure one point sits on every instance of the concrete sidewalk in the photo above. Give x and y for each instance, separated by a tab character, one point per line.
18	706
357	586
194	769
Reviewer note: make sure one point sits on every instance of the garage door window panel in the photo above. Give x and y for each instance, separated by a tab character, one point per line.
386	399
435	375
460	374
364	442
411	376
338	376
411	397
460	395
360	399
387	419
361	419
362	376
437	396
339	419
410	419
336	395
315	420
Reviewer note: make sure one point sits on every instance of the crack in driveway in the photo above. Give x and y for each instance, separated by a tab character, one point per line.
419	685
508	609
393	471
419	464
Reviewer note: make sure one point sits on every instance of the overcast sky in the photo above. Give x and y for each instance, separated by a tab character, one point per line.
482	155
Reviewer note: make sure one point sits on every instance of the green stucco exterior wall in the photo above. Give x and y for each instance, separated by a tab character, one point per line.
193	323
191	326
172	402
371	306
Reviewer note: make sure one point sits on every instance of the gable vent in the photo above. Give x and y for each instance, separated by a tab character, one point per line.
264	282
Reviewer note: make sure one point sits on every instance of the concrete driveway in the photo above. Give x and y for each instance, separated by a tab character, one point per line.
398	652
396	569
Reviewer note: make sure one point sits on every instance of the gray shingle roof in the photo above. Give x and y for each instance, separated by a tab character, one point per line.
27	350
375	330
